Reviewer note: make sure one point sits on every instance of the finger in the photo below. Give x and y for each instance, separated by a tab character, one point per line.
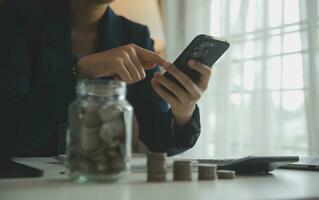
116	77
204	70
131	67
179	92
147	56
186	82
137	63
149	65
164	94
123	73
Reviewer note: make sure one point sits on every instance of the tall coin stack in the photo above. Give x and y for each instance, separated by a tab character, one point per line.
207	172
182	170
156	167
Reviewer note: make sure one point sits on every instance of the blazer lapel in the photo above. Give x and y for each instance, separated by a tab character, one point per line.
58	42
58	38
111	34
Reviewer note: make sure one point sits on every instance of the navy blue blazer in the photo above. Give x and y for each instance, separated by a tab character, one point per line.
37	83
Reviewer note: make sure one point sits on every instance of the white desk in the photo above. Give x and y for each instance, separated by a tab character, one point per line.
282	184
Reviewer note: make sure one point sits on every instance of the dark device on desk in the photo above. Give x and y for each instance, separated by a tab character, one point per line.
304	163
252	164
204	49
11	169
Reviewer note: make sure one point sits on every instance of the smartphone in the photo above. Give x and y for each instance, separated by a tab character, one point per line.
203	48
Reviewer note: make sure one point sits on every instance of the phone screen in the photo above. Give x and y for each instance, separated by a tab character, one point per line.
204	49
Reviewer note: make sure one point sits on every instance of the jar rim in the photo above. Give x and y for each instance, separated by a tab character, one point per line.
100	81
101	87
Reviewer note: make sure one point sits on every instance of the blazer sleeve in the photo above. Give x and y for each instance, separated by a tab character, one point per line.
28	113
155	117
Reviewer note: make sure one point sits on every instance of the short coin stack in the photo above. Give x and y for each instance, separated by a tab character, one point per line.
226	174
182	170
207	172
156	167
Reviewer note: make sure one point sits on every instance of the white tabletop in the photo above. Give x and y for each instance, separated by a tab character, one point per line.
281	184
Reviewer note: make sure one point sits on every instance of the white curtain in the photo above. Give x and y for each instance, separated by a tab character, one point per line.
263	95
183	20
310	11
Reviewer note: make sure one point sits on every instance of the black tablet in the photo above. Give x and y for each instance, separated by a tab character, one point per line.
11	169
252	164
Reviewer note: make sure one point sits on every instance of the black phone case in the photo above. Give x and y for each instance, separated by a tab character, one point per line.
204	49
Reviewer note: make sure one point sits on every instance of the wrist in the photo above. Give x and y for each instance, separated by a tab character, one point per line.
181	119
79	68
78	65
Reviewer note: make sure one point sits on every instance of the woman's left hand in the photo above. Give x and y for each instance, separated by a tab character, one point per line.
182	100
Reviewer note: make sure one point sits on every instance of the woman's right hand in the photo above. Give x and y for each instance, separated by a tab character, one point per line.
128	63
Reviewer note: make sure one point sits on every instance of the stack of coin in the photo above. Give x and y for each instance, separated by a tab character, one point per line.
207	172
156	167
226	174
182	170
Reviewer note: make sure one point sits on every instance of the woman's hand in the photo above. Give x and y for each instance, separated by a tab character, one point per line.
182	100
128	63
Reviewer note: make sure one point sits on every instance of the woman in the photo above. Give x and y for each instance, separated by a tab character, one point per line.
44	42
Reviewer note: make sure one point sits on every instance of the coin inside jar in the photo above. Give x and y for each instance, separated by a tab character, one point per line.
91	119
98	134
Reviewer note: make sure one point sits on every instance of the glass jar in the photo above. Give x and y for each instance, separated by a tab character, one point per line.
99	132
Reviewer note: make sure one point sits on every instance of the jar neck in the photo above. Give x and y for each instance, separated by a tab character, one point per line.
102	98
101	89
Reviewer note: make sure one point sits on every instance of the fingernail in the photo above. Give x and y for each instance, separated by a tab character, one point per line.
151	65
166	65
191	62
154	80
